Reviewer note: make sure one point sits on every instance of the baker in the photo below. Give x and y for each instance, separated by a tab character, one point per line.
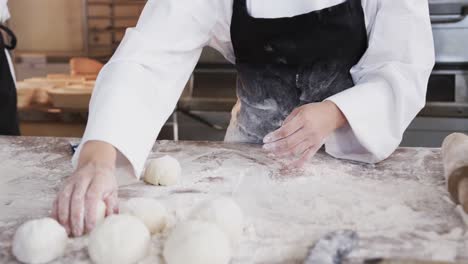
8	112
350	74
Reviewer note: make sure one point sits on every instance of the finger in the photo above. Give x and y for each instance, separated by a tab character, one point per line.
285	131
286	146
292	115
305	157
78	207
303	147
63	205
112	204
90	214
93	196
54	213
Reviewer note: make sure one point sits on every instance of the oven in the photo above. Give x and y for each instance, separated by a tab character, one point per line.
446	110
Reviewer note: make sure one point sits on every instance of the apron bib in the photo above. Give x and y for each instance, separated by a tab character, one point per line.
8	112
283	63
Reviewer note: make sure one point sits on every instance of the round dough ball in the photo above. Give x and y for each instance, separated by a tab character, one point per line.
225	213
120	239
153	214
164	171
100	211
197	242
39	241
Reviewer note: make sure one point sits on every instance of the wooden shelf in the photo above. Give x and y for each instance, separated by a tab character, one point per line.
136	2
114	18
110	17
108	29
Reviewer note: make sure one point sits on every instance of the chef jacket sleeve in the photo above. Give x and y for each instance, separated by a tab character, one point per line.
390	83
4	13
137	90
4	16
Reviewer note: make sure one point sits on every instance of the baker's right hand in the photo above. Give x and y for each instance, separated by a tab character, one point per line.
94	180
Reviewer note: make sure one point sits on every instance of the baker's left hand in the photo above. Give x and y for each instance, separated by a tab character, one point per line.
304	131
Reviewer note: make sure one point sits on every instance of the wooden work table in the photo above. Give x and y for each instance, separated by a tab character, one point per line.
399	207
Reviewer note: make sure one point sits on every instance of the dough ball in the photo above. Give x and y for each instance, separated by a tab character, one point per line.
39	241
164	171
153	214
120	239
100	212
197	242
225	213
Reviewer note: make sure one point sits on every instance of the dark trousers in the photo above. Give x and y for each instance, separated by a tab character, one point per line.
9	124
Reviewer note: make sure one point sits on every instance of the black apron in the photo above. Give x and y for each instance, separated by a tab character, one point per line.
8	112
283	63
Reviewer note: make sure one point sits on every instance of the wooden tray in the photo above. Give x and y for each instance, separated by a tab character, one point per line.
45	81
58	80
84	66
65	77
37	91
90	84
25	94
87	77
70	97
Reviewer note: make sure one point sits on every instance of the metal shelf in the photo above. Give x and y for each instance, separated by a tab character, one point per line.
108	13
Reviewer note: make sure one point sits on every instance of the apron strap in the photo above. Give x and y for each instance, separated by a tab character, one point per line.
13	41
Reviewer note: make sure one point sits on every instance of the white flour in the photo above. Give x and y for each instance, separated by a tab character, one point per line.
399	208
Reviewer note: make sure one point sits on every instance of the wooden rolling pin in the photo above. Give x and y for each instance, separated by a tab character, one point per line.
455	159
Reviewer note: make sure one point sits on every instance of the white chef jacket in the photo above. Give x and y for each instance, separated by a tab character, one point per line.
137	90
4	16
4	13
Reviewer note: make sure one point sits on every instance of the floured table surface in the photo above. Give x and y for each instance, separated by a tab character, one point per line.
400	207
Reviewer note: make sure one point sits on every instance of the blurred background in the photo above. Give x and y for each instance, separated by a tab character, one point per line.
63	44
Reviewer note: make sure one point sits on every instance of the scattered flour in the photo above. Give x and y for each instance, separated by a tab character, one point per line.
462	214
398	207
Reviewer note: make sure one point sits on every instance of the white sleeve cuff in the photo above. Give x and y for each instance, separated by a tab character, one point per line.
368	136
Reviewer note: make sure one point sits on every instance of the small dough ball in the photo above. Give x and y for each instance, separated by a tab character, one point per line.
120	239
39	241
100	211
197	242
153	214
164	171
225	213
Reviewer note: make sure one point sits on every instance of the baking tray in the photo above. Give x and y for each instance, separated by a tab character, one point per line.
71	97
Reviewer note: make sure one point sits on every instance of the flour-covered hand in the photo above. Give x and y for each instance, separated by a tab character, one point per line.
304	131
94	180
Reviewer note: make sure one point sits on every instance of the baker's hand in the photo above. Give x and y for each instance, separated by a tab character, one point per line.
304	131
94	180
